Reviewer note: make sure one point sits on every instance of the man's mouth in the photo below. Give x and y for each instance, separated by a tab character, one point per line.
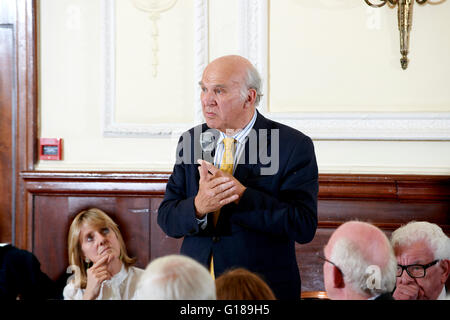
210	114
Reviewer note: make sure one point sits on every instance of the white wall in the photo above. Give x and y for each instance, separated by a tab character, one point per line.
326	61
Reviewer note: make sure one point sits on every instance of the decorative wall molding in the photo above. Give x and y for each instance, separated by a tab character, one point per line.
369	126
254	23
111	128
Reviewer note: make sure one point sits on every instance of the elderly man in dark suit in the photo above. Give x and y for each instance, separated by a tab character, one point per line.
253	194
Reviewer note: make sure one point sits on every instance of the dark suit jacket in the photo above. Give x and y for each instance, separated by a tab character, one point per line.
385	296
274	212
21	276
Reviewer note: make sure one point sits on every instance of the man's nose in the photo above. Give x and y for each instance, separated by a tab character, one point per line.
208	98
405	278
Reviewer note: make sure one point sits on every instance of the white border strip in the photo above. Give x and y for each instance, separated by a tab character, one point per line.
111	128
253	44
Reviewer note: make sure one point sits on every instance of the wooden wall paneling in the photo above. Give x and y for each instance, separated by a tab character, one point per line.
7	112
133	217
23	18
162	244
133	200
389	213
310	265
51	226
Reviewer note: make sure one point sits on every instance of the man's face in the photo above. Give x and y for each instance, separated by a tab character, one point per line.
222	104
426	288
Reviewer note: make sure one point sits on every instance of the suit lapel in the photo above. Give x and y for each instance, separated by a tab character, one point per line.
246	163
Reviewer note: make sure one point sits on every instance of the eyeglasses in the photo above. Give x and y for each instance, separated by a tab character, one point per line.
415	270
326	260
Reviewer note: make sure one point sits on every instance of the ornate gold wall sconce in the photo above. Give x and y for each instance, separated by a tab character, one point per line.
404	13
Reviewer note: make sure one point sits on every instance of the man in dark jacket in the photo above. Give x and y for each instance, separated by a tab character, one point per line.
263	199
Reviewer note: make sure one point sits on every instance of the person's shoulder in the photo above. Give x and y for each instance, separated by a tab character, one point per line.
198	128
136	270
385	296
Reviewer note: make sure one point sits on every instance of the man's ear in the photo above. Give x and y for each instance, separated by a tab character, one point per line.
445	266
338	278
251	97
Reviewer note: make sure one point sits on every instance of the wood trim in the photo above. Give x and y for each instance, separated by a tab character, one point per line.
387	200
104	183
398	187
27	97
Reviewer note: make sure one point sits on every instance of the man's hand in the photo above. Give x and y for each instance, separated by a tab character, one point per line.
219	173
407	292
216	189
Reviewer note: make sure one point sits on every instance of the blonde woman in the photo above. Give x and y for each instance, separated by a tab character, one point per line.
97	254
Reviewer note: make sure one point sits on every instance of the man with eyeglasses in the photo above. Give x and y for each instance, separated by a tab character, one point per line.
422	250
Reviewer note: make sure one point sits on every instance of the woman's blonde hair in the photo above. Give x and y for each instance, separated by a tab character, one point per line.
95	218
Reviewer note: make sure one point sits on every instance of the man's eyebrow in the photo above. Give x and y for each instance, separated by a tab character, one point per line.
215	86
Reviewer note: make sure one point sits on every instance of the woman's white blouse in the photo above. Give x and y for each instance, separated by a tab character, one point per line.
122	286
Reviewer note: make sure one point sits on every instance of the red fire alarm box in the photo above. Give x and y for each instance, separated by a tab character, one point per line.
50	149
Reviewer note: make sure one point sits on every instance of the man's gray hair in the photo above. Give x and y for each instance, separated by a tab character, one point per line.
356	269
252	81
176	277
431	233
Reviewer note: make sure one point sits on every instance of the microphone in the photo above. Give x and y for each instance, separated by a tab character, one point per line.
207	141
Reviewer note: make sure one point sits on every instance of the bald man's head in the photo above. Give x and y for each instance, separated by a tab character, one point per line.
360	251
230	92
368	239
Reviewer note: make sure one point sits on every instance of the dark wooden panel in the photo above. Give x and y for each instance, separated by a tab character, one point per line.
310	266
162	244
134	222
132	199
399	187
7	127
51	227
22	15
387	214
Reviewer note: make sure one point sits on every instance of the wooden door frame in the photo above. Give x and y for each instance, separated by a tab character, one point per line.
27	115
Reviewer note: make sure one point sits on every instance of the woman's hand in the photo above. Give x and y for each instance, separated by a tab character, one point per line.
95	276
